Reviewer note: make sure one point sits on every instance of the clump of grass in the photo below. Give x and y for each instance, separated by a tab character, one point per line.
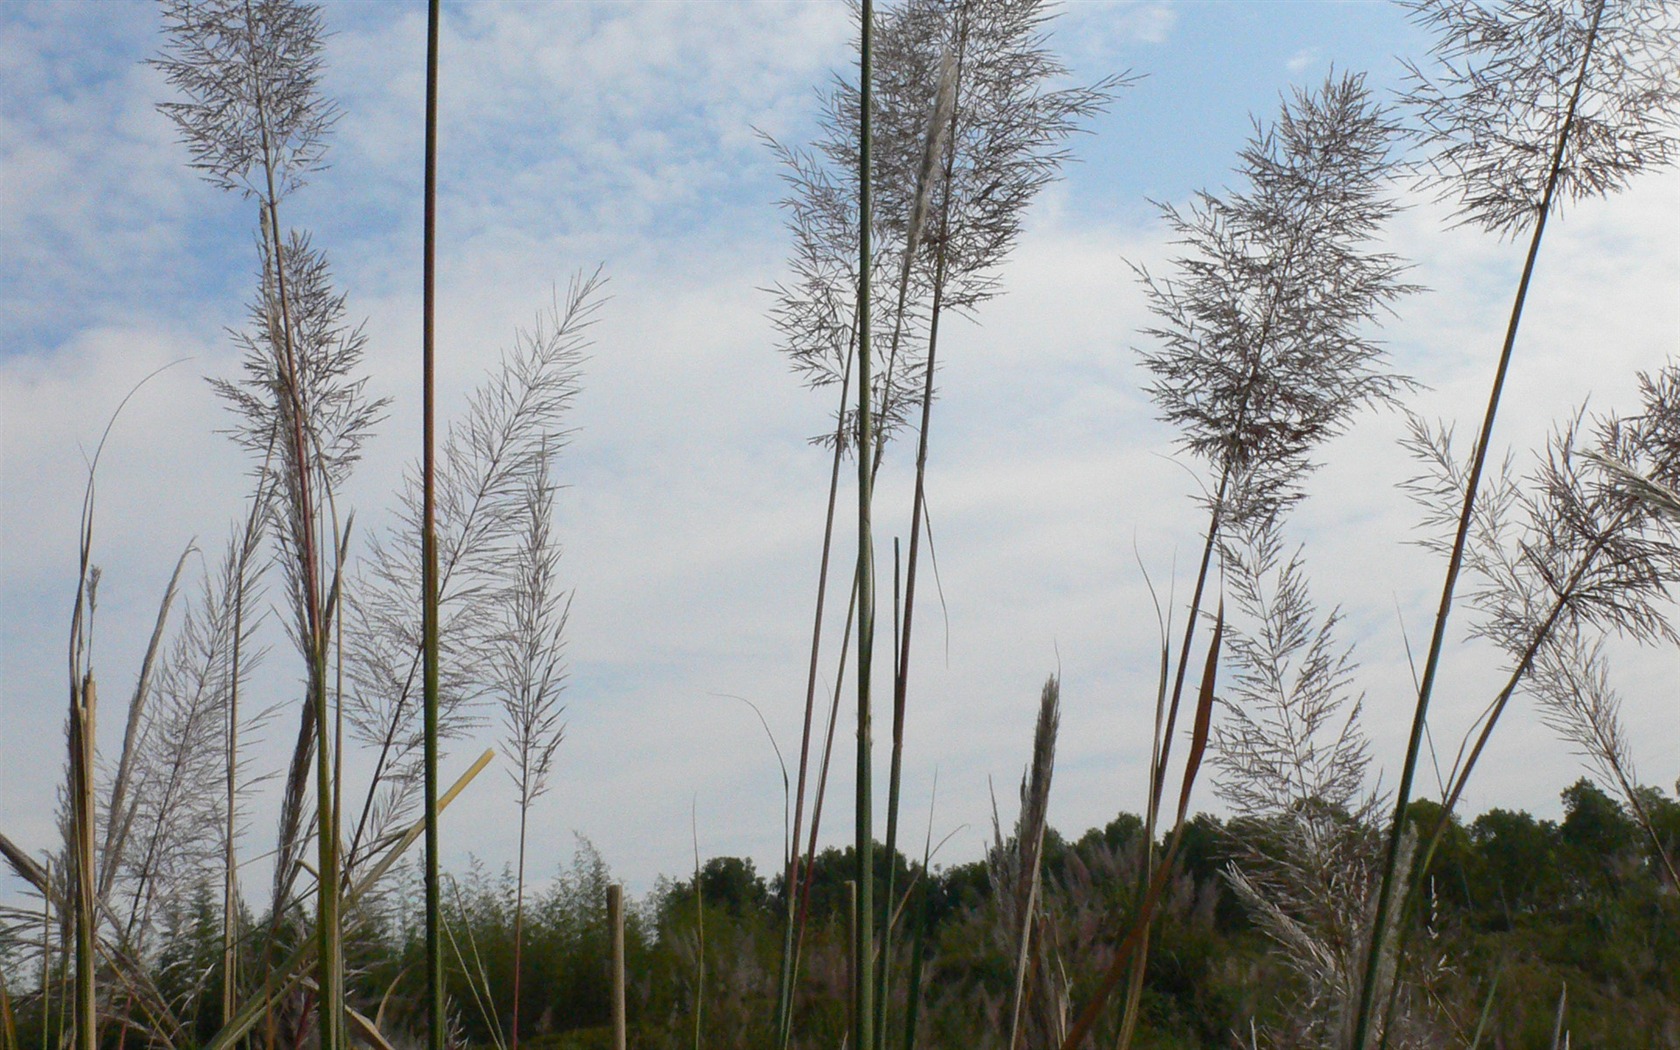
965	130
255	122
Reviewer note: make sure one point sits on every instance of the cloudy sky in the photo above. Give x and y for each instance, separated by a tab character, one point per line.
627	136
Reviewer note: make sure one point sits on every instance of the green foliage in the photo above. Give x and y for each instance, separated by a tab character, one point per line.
1539	902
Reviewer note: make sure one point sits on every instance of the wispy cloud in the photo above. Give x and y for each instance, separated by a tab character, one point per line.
1302	60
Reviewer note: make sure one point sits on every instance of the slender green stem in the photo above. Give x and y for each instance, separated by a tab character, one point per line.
46	959
1461	777
895	770
699	931
902	630
329	972
1402	798
795	914
428	551
822	773
863	1028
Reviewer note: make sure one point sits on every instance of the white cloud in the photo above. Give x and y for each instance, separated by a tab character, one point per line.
1099	34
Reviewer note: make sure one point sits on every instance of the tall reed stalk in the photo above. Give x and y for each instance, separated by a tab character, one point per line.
863	991
1511	155
985	152
254	122
1263	353
435	1019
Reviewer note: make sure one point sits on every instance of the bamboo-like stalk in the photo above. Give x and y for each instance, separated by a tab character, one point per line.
519	931
853	978
1162	750
822	771
435	1026
330	973
1460	777
1437	641
918	944
615	922
937	161
83	705
863	1025
883	960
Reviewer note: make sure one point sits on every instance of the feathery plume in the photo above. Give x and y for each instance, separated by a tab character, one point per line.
1493	103
1262	352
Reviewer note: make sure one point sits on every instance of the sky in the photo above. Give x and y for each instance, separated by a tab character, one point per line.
629	136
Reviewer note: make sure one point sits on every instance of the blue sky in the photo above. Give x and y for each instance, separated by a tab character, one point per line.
625	135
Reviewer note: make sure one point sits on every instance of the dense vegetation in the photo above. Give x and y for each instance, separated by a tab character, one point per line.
1521	909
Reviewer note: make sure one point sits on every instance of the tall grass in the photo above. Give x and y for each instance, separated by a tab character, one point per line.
967	128
1511	143
429	590
1261	349
254	122
863	935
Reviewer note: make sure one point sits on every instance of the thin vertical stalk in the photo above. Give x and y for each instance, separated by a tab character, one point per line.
918	949
230	859
852	977
519	930
822	770
335	630
8	1023
83	705
615	920
863	1028
795	914
428	550
327	922
1163	750
894	772
1461	778
1402	798
1127	952
901	673
699	930
941	139
330	973
46	955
